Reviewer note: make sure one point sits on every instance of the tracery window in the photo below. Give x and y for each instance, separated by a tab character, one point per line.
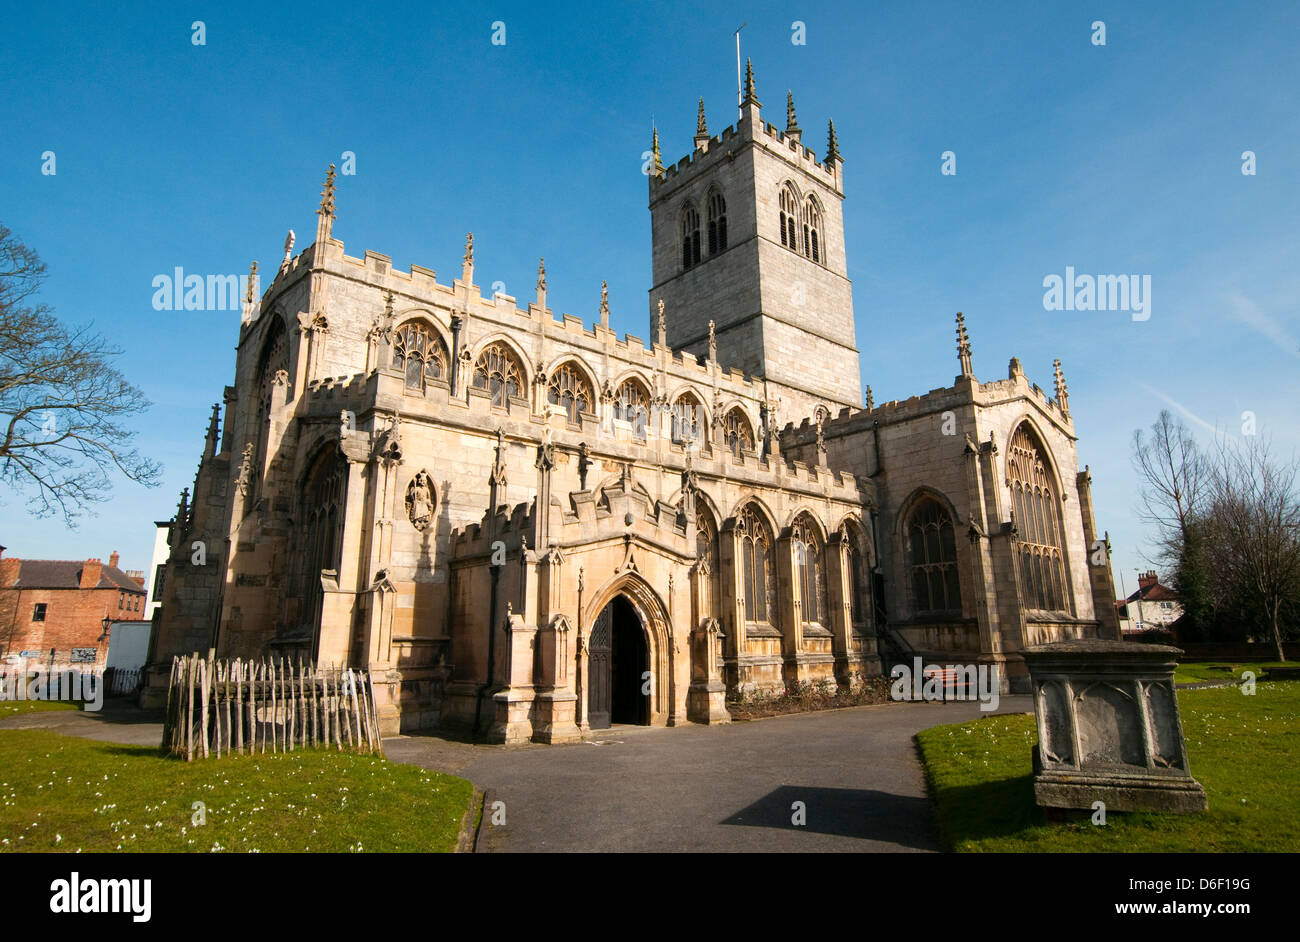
569	390
717	223
812	228
756	565
809	571
789	207
1042	569
706	551
932	557
687	421
498	371
420	354
322	514
274	358
737	433
690	237
632	405
860	603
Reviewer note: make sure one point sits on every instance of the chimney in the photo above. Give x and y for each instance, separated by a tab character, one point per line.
1147	579
9	571
112	560
90	572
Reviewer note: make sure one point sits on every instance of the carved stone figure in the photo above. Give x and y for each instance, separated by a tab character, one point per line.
420	501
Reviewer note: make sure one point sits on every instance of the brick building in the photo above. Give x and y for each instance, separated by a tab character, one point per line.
60	606
530	526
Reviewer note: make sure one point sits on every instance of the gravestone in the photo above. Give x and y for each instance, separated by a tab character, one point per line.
1108	728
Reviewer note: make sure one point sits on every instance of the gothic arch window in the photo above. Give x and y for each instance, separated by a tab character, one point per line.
859	572
570	390
717	223
789	207
812	231
497	371
687	420
419	353
1036	506
737	432
756	583
932	558
706	552
274	359
809	570
632	405
323	503
690	237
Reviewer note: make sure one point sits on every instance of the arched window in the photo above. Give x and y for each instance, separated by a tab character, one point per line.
737	433
789	206
756	565
323	504
812	229
932	558
274	359
419	353
569	390
498	371
809	571
690	237
706	552
859	574
717	223
632	405
687	420
1042	566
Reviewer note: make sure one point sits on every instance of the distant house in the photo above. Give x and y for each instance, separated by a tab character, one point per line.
58	611
1152	607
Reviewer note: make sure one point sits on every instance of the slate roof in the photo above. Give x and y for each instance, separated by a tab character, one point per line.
66	574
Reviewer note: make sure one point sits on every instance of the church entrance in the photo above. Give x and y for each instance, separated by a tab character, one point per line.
619	661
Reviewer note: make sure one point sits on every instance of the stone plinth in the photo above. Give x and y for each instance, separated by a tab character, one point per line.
1108	728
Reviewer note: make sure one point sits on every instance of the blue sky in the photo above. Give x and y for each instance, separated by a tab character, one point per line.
1122	159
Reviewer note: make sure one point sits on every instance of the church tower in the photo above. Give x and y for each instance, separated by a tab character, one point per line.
748	233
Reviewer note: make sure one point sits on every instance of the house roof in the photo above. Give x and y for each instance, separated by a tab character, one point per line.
66	574
1154	592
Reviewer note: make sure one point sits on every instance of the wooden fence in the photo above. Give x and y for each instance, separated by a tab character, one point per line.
216	707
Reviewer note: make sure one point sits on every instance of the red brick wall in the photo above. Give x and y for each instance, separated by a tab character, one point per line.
74	618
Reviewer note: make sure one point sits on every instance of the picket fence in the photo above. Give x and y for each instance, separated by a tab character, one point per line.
217	707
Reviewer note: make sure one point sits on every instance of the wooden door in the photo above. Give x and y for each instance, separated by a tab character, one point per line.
600	673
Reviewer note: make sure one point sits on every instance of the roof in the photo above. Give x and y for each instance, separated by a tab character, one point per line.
1154	592
66	574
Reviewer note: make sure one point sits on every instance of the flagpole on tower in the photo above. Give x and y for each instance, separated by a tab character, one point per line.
740	92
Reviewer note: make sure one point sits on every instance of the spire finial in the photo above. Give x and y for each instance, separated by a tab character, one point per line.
963	346
251	293
751	96
701	127
661	326
658	166
541	274
604	305
713	344
469	248
832	145
327	195
1062	391
871	400
791	124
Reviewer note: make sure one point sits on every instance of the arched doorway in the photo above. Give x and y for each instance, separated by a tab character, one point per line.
619	663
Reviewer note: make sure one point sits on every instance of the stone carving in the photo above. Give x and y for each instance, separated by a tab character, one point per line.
420	501
245	470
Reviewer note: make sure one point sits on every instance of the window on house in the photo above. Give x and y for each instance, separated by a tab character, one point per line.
932	558
38	611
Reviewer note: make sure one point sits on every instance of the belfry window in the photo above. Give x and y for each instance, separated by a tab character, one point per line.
690	237
420	354
498	372
756	565
932	558
1040	548
812	232
789	208
570	391
717	224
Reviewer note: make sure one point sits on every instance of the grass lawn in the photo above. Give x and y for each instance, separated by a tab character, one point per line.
14	707
1194	672
1243	749
67	794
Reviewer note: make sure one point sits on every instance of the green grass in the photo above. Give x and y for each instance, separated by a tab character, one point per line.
1241	748
67	794
1194	672
15	707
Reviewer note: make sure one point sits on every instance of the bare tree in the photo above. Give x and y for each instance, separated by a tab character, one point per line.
62	404
1173	474
1253	533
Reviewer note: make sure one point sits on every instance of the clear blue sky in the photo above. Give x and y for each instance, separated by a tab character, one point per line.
1122	159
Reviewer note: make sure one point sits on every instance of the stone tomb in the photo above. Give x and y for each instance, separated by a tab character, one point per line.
1108	728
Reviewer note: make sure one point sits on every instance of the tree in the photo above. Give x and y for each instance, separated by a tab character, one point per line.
1253	537
62	404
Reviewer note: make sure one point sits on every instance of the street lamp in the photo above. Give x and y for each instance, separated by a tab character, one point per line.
108	623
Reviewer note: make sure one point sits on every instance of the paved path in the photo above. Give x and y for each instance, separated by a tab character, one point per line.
718	788
119	721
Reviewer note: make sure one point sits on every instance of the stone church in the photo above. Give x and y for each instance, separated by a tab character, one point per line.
532	528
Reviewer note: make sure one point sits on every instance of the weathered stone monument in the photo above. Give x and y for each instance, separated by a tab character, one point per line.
1108	728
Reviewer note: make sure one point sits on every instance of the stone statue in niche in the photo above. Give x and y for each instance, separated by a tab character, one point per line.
420	501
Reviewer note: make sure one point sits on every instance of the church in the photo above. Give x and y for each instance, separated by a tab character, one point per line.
530	528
